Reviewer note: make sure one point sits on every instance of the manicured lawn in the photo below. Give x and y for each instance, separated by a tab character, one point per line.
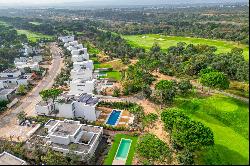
102	65
32	36
112	74
228	119
35	23
112	152
147	41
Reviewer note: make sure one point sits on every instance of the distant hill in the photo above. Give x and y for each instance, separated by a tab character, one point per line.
105	3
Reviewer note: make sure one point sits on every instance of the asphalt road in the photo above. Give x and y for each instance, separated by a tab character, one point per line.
9	118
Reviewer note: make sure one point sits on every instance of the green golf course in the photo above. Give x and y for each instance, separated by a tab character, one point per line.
147	41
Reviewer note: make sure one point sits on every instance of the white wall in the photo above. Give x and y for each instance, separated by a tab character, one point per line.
65	110
79	88
82	74
87	64
43	110
85	111
14	74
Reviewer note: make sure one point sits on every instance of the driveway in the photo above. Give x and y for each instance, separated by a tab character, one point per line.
8	124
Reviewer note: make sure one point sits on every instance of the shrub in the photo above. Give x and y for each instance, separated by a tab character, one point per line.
185	86
215	80
169	117
152	148
185	158
191	135
150	119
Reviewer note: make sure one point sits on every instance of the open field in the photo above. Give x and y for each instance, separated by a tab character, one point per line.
112	152
3	23
228	119
35	23
147	41
32	36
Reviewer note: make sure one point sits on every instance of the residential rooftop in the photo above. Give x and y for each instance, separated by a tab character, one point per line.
65	129
10	70
6	91
9	159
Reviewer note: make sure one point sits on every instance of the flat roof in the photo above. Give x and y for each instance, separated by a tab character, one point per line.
9	159
10	70
6	91
66	128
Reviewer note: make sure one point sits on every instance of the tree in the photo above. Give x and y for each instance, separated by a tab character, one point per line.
215	80
50	94
166	91
27	70
185	86
21	90
153	149
191	135
21	116
116	92
54	158
150	119
186	134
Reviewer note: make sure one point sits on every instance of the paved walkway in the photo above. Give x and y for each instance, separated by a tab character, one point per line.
8	123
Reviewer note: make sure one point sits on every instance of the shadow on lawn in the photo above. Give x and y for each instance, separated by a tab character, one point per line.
221	155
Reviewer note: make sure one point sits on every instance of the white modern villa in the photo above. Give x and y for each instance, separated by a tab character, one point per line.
66	39
13	77
61	135
83	106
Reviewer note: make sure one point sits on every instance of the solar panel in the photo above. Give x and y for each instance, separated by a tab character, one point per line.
92	101
84	97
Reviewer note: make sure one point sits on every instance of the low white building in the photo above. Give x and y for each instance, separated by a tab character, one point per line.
9	159
37	58
34	66
80	55
13	77
81	86
62	134
6	94
66	39
82	74
10	73
84	65
82	106
27	50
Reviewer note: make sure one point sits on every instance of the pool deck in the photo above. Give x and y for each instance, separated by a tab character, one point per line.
124	120
118	162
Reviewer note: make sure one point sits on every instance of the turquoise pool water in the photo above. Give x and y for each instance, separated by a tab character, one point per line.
114	116
123	150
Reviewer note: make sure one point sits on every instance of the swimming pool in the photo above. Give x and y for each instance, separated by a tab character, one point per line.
123	150
114	116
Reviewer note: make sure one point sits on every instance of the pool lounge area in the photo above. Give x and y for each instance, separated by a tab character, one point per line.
115	118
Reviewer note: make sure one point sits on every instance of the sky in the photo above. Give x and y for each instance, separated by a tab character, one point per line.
106	2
